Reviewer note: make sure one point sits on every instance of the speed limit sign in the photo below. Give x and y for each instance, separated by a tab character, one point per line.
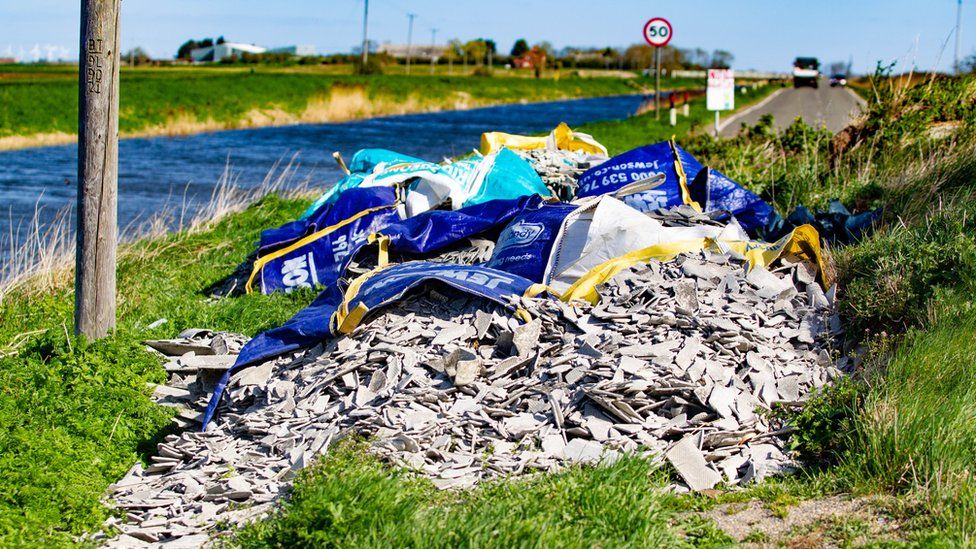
657	32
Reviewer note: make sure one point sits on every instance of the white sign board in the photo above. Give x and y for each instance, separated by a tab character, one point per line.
721	90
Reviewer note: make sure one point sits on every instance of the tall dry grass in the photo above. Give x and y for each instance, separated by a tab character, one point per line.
40	256
36	249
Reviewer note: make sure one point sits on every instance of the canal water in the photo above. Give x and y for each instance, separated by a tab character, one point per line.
179	173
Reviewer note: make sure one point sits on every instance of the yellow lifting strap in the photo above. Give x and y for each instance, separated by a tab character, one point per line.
802	243
682	178
345	321
383	253
263	260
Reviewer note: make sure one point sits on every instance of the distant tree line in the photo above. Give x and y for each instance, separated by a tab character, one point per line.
136	56
481	51
483	54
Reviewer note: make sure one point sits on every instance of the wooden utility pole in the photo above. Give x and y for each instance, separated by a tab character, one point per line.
98	154
955	60
411	17
433	49
365	37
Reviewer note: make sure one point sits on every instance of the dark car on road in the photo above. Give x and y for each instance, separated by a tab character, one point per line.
838	80
806	72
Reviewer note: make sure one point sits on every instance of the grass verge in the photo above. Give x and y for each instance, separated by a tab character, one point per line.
349	500
42	107
904	427
74	416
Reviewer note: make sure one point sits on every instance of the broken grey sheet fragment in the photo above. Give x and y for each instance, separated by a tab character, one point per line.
690	464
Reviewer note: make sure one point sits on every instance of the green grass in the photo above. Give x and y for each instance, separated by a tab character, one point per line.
916	435
36	102
75	416
349	500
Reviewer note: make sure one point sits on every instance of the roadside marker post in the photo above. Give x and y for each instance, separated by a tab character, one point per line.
672	111
720	93
657	33
98	155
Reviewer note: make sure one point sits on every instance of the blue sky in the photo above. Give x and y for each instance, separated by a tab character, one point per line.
763	34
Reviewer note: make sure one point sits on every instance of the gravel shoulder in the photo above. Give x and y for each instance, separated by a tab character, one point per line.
833	521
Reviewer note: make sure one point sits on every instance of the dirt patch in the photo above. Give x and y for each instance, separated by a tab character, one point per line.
943	130
829	522
343	103
462	100
601	73
256	118
346	103
12	142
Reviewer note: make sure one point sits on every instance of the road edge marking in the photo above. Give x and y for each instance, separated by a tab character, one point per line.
862	102
740	114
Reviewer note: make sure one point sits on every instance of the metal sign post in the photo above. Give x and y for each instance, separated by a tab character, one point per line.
720	94
657	84
657	33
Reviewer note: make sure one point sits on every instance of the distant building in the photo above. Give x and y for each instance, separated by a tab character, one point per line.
222	51
416	51
297	51
525	62
596	55
7	60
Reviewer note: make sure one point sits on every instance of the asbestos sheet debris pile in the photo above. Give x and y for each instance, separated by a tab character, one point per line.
677	360
531	307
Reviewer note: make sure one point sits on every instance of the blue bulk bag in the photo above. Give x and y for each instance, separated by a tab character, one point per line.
643	164
362	164
346	205
686	181
311	252
321	258
524	245
437	229
390	284
714	191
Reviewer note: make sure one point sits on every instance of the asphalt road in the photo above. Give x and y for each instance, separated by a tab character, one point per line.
832	107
